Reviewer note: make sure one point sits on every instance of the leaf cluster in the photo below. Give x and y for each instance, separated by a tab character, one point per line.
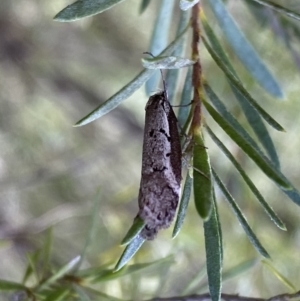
69	281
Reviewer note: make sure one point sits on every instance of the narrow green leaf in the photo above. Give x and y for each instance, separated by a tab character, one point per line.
90	273
283	28
291	191
129	252
261	15
251	114
216	45
111	274
47	251
172	74
273	216
133	232
82	295
117	98
144	5
279	276
166	62
244	50
239	269
229	117
60	273
92	228
202	177
128	90
239	86
250	234
171	82
185	198
11	286
261	161
187	4
32	266
160	36
27	274
214	254
193	285
58	295
219	226
229	274
279	8
258	126
186	97
84	8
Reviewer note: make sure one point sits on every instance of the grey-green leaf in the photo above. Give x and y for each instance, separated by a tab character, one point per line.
82	295
60	273
250	234
58	294
32	266
144	5
214	254
291	191
284	280
244	50
279	8
172	74
203	189
186	97
239	269
166	62
129	252
47	251
273	216
84	8
185	198
251	114
110	274
117	98
261	161
187	4
135	229
128	90
160	36
239	86
229	117
258	126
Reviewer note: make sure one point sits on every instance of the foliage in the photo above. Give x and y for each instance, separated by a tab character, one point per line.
73	282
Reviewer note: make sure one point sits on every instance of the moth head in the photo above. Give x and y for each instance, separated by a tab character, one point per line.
156	100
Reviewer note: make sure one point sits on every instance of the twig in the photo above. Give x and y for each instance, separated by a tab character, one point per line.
197	70
227	297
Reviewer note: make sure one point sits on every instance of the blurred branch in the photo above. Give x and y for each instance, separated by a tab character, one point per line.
227	297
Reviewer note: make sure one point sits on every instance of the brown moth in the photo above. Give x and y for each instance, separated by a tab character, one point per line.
161	166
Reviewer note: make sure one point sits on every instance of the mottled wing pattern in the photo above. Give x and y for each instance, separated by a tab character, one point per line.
161	167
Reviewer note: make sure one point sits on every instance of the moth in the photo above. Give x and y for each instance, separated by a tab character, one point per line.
161	166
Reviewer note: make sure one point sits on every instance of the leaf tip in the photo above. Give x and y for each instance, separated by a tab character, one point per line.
125	241
82	122
282	227
59	17
175	233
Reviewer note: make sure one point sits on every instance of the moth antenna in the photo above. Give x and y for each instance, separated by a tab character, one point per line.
162	76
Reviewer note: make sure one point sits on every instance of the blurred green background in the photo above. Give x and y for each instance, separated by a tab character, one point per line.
52	74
